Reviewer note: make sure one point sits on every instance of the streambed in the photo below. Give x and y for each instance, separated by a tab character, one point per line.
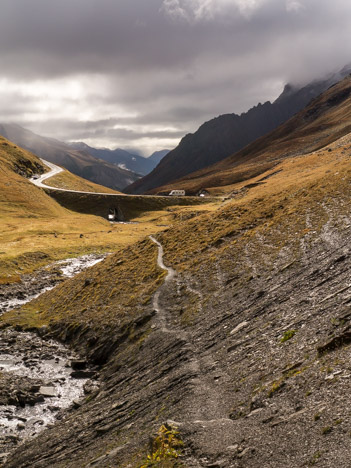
32	285
39	379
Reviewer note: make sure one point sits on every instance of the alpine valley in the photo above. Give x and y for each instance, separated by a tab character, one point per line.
211	331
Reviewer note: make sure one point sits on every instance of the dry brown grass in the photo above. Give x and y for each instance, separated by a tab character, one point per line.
36	230
277	210
67	180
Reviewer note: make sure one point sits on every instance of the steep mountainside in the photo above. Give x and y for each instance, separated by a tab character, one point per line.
237	356
122	158
19	197
80	163
226	134
327	117
157	156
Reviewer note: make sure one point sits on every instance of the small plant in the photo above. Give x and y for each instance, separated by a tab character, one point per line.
276	386
326	430
164	447
314	460
287	335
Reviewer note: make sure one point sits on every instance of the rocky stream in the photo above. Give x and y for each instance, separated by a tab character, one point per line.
39	379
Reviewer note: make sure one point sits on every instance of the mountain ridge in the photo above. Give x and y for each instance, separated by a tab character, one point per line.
226	134
80	163
306	131
122	158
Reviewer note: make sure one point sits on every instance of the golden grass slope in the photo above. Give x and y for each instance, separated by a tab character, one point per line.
286	210
36	230
68	181
18	196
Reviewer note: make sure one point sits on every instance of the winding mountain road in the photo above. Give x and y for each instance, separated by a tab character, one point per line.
54	170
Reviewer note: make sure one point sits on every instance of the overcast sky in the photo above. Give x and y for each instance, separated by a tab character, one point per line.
142	73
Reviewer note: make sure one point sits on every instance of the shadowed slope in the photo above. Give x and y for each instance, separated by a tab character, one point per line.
325	119
229	133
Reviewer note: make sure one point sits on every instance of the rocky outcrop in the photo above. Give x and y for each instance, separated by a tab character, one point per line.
37	381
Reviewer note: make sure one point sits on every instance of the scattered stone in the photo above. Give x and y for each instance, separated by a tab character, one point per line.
53	409
239	327
244	452
3	456
232	448
103	429
48	391
329	377
90	387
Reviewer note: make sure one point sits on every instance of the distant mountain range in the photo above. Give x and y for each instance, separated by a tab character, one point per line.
157	156
122	158
115	169
225	135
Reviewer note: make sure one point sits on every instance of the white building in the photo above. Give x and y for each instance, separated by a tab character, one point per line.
179	193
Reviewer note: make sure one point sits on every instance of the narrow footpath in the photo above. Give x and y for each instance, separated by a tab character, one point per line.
209	408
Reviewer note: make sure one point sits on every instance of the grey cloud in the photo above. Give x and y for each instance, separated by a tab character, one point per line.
162	74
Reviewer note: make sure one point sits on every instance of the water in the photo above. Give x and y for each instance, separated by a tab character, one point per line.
27	359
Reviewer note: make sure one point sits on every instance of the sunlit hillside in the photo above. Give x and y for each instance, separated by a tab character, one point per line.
36	230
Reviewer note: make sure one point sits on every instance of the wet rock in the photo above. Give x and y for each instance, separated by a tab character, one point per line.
90	387
78	364
82	374
53	409
3	457
28	368
48	391
47	357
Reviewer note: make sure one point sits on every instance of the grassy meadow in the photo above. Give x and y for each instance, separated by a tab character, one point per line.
290	207
36	230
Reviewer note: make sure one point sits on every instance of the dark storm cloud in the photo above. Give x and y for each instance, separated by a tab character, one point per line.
130	72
